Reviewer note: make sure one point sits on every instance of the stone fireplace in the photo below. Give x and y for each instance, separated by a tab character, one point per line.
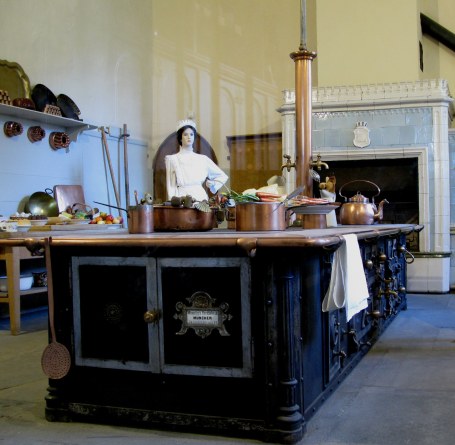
406	125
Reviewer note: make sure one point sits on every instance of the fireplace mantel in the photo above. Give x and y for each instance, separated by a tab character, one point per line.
405	119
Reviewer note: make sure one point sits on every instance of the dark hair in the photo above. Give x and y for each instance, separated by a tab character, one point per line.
181	130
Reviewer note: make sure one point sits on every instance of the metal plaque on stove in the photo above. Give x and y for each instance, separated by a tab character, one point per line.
202	316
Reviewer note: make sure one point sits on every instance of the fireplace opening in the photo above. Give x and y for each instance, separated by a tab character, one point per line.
397	179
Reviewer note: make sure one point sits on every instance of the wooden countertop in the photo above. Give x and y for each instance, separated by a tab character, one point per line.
289	238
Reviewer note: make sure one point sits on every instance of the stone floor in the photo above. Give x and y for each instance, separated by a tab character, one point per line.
402	392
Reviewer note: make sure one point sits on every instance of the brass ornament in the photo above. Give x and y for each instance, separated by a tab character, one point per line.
59	140
36	134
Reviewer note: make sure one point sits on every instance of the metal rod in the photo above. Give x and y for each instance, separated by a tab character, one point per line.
125	163
110	206
302	24
106	149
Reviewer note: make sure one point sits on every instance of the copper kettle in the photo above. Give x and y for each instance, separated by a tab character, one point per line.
359	210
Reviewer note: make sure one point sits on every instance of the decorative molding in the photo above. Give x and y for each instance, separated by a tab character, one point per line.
402	94
367	113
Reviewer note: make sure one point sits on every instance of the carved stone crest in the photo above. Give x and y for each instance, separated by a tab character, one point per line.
202	316
361	135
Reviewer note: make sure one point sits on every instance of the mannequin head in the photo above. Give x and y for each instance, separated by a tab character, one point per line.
181	130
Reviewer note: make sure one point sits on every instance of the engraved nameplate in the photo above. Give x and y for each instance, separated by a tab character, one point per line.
202	316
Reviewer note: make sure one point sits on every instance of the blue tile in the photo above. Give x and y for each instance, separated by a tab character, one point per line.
332	138
317	138
390	136
424	134
407	135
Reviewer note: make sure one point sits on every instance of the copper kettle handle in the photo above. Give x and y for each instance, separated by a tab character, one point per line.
359	180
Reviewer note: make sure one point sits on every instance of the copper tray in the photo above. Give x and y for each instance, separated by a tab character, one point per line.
14	80
318	209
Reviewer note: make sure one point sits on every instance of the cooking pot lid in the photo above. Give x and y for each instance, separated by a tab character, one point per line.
358	197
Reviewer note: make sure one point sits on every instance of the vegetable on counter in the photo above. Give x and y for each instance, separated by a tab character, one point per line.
238	197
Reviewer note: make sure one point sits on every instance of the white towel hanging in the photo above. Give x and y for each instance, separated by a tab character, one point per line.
348	286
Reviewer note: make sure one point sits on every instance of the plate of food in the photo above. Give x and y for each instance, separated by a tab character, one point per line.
77	221
38	222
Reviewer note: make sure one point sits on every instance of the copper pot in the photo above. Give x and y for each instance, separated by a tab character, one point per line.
255	216
169	218
140	219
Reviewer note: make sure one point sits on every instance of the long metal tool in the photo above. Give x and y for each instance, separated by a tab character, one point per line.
106	149
125	165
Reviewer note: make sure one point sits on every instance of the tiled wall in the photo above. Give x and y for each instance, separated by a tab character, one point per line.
388	128
404	120
452	206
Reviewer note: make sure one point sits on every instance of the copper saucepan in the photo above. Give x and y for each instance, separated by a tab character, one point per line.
140	217
258	216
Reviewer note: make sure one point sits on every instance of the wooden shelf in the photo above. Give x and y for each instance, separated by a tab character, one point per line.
71	127
32	290
13	256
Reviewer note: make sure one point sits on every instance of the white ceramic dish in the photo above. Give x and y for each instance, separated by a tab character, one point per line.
25	283
38	222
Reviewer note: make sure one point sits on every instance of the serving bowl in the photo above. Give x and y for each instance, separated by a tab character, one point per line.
25	283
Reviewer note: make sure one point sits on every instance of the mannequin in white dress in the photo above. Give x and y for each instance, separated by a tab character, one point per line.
187	172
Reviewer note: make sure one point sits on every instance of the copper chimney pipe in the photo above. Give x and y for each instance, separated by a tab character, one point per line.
303	108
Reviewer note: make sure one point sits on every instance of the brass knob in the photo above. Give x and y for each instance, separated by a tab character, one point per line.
369	264
402	289
401	248
376	314
382	257
152	316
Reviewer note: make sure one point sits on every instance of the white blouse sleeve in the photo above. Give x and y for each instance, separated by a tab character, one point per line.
171	179
216	177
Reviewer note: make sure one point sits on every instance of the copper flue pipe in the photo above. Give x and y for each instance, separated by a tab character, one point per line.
303	109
